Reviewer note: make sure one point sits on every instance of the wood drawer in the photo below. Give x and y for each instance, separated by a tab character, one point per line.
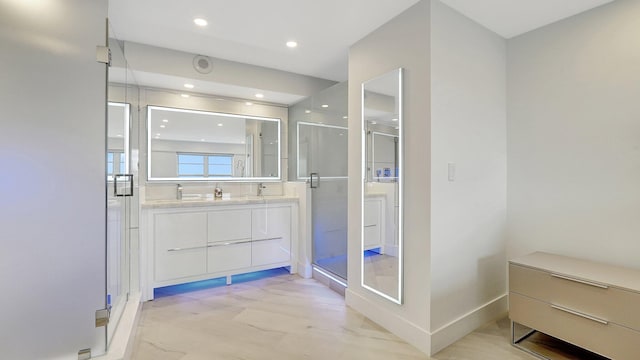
228	256
610	340
609	303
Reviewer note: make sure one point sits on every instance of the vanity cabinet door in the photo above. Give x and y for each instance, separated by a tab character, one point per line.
229	240
372	224
180	245
271	235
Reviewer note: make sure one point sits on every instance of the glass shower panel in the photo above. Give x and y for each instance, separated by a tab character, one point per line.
322	153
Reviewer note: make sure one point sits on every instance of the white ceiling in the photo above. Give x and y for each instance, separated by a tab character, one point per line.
255	31
510	18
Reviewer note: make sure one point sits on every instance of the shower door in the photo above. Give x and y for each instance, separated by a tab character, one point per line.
322	161
119	192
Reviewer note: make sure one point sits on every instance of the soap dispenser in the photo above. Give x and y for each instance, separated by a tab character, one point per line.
217	193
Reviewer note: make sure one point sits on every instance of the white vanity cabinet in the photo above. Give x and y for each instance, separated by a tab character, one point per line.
191	241
229	240
180	245
270	235
373	223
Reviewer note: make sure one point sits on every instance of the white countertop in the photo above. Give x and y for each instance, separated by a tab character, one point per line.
202	202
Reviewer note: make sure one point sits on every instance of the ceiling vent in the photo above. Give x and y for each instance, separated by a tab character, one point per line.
202	64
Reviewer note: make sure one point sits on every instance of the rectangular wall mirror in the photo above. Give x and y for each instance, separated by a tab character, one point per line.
382	169
200	145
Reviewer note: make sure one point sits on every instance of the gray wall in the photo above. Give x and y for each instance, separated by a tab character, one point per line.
402	42
52	140
468	215
574	137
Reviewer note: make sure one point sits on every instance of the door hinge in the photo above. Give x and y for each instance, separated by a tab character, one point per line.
84	354
102	317
103	55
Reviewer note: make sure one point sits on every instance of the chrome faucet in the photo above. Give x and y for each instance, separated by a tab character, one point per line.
260	187
179	192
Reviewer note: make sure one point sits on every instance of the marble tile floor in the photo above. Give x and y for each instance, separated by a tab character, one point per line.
286	317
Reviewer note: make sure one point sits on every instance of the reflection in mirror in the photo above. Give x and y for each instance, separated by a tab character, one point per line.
201	145
117	139
382	171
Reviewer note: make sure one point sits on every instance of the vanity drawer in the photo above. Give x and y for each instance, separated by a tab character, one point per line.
229	225
270	251
610	340
605	302
224	256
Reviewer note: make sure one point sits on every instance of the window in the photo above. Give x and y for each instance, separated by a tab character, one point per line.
205	165
115	160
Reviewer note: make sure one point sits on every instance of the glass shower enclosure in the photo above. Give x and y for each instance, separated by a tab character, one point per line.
318	126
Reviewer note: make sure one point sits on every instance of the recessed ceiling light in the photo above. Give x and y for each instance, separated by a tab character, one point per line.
165	120
341	134
397	128
163	126
200	22
189	86
307	111
157	134
292	44
119	135
394	119
185	95
325	105
248	103
345	117
373	123
201	139
220	124
259	96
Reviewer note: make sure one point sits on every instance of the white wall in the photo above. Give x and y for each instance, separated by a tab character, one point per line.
574	137
402	42
468	215
52	212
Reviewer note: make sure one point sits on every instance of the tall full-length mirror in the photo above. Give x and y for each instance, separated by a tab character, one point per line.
382	169
201	145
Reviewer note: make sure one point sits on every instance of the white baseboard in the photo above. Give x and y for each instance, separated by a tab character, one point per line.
465	324
305	270
122	343
406	330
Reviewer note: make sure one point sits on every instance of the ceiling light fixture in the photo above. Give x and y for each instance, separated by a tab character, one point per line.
200	22
165	120
394	119
248	103
307	111
185	95
189	86
259	96
220	124
325	105
163	126
292	44
345	117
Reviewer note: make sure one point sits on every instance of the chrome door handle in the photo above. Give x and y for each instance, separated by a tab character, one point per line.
311	183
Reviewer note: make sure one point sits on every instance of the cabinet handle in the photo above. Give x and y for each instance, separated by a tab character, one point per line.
576	313
228	243
370	225
189	248
601	286
275	238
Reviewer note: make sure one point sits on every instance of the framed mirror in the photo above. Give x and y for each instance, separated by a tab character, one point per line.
200	145
382	169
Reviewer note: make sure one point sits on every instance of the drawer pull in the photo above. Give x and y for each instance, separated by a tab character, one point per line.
601	286
189	248
576	313
275	238
228	243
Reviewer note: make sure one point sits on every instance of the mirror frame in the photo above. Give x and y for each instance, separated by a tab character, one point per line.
212	179
400	182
